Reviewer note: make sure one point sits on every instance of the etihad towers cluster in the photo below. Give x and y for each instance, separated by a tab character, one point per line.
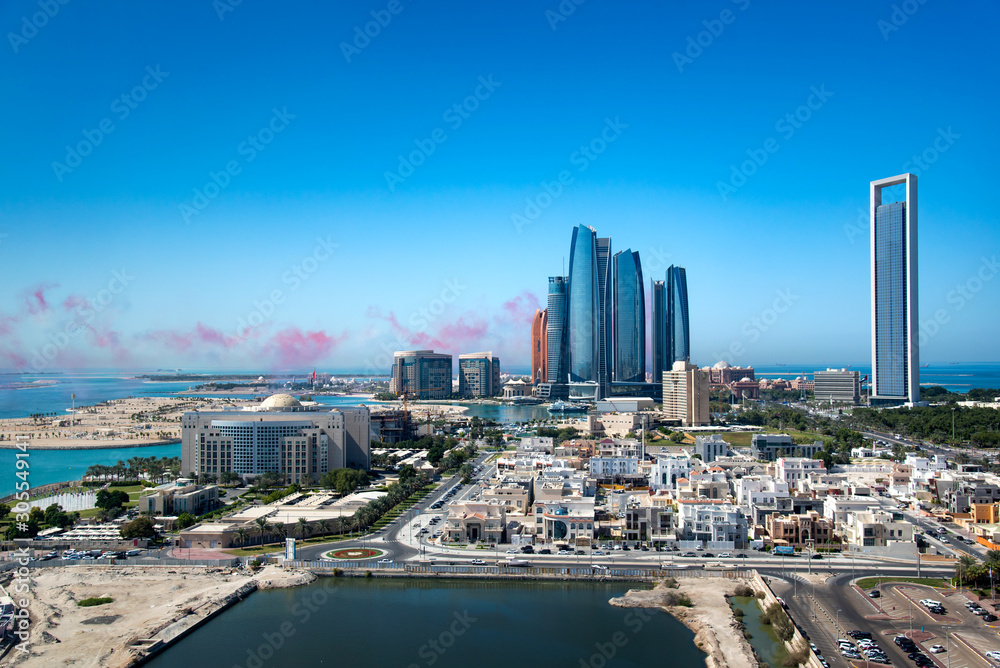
590	340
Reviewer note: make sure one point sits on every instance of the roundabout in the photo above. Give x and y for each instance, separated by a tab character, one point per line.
354	554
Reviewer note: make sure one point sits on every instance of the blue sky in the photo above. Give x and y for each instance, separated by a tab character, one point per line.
251	198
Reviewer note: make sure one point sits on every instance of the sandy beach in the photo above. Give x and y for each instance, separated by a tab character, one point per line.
711	618
149	602
120	423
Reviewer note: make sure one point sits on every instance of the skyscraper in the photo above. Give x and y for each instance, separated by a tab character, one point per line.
423	374
678	329
895	353
583	307
605	285
629	318
539	347
556	331
658	331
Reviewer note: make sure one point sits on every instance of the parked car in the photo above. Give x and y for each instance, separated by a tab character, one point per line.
875	593
937	649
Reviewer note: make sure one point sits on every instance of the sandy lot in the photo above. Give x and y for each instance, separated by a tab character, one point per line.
147	600
710	618
120	423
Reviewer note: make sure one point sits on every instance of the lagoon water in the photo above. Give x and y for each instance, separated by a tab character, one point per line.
409	622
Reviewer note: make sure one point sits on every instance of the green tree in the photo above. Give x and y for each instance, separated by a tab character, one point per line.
263	526
407	472
111	500
184	520
140	527
4	510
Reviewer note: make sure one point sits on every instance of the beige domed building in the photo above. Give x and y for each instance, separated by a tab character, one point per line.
282	434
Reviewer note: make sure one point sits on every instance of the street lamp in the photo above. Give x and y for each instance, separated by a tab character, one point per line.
838	621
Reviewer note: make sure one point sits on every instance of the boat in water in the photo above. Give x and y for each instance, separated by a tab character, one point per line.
564	407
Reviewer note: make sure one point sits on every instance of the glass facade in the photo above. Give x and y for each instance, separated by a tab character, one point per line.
555	330
583	306
659	330
629	318
605	285
891	301
678	329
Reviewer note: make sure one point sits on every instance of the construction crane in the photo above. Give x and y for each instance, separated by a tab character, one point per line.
406	409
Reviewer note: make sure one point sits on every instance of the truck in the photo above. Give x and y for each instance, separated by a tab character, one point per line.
514	562
786	550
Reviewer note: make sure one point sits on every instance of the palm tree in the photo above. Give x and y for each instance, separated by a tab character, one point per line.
281	529
262	526
992	559
962	566
303	526
325	526
241	533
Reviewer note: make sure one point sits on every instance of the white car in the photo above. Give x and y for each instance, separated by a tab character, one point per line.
600	567
513	550
385	561
993	655
477	562
937	649
725	555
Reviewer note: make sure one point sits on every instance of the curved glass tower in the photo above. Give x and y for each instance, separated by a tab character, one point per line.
678	329
629	318
555	334
658	330
584	312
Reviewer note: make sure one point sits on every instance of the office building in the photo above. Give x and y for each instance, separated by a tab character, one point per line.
556	330
605	284
678	328
770	447
685	394
629	319
837	385
422	374
895	328
584	314
478	375
658	330
282	435
539	347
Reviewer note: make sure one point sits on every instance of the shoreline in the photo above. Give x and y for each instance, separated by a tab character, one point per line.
111	445
710	618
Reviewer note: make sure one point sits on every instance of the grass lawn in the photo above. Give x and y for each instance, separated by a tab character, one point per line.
271	548
871	583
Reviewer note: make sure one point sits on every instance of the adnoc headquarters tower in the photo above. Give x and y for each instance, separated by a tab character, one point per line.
895	354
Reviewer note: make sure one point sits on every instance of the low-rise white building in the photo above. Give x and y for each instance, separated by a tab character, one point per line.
794	469
706	521
667	469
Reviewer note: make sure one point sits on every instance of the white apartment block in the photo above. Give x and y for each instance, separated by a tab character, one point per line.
793	469
607	467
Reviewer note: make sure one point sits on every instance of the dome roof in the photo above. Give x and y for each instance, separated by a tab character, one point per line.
721	364
278	401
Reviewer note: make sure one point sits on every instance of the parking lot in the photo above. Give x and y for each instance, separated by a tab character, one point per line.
954	637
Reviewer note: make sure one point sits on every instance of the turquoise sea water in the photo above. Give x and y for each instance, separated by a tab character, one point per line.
48	466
